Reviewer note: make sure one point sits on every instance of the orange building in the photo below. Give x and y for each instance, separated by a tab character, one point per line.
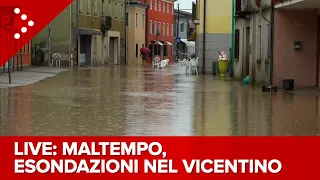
159	28
24	56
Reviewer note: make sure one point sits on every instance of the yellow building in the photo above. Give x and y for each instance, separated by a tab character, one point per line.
136	31
214	19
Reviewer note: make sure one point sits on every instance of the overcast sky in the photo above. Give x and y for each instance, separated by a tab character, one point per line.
184	4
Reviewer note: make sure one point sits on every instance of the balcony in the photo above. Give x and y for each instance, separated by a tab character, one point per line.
242	10
195	13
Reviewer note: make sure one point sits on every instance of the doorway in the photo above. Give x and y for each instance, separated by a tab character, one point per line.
95	50
85	50
245	63
113	50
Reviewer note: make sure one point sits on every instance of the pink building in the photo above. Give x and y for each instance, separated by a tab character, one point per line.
159	28
297	42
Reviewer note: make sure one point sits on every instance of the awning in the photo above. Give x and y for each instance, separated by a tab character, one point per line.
168	43
87	31
193	37
157	42
189	44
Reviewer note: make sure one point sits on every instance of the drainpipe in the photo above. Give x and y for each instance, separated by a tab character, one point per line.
232	38
204	37
49	46
271	43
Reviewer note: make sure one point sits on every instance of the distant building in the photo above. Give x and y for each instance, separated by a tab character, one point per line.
85	18
136	31
20	59
252	41
159	28
217	33
186	29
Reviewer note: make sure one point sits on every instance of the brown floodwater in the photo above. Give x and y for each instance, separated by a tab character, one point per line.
146	101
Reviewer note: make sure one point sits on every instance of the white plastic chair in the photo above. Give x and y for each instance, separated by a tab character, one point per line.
188	67
56	57
194	66
167	62
163	64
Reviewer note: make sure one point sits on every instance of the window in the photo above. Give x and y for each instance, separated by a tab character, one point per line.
164	6
95	8
127	19
172	9
116	12
143	20
137	50
81	7
159	28
238	5
122	12
181	27
171	29
159	5
30	47
163	28
151	25
110	9
151	4
155	4
168	8
167	29
165	50
88	7
155	28
137	24
237	44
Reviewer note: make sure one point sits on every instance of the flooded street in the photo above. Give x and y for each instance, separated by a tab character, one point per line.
146	101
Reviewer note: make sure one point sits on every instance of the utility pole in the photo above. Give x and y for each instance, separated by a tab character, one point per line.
127	28
103	50
70	34
178	32
49	46
9	68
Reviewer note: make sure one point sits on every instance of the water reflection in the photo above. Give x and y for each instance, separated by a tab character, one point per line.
144	101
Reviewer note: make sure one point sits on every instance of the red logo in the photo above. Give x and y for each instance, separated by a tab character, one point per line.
21	20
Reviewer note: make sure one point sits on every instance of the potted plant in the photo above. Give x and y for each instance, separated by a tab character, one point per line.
223	63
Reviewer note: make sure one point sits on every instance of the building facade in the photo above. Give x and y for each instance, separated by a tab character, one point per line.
213	32
136	31
186	29
159	28
252	40
278	40
77	30
296	42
